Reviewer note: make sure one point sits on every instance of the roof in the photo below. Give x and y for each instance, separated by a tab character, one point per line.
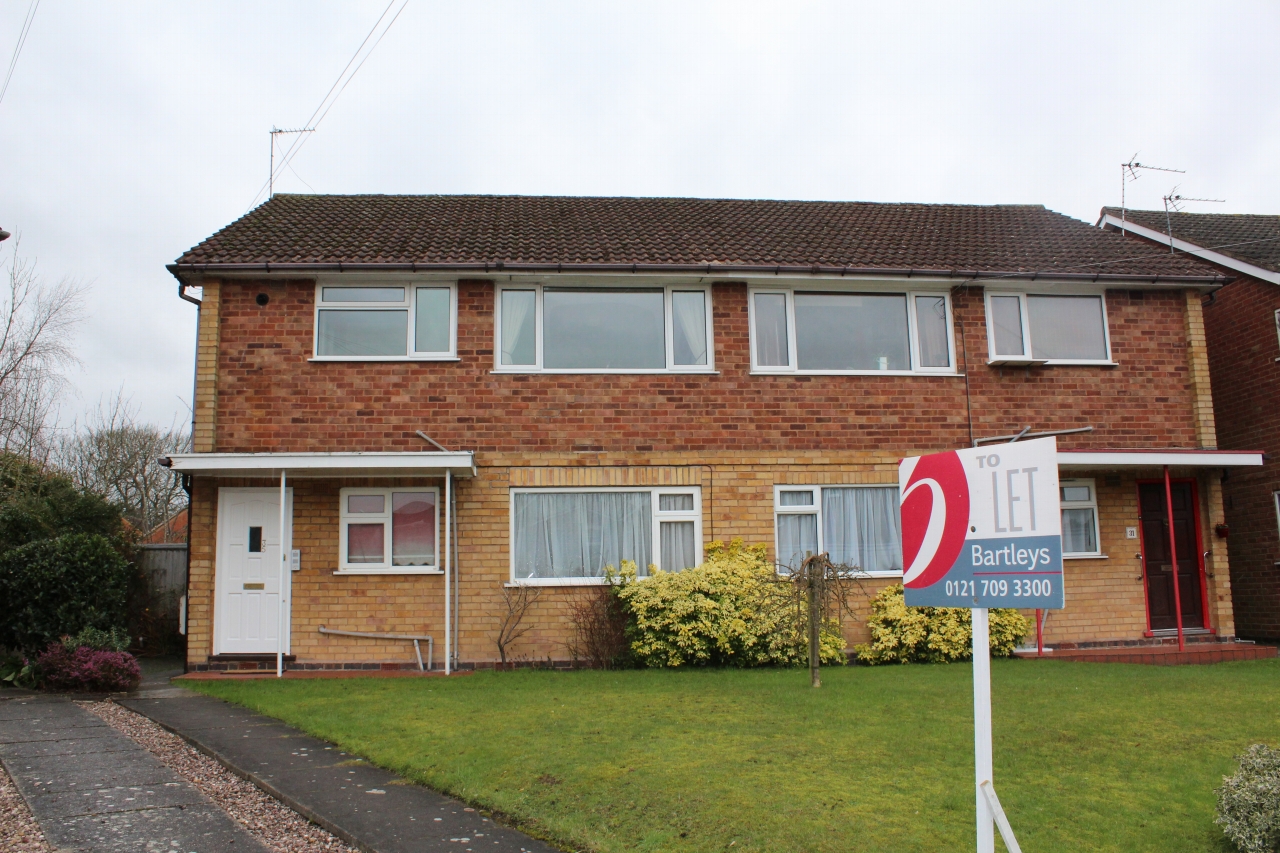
1252	239
668	234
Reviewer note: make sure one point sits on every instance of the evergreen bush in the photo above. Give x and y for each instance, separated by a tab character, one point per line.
1249	802
66	667
58	587
730	611
901	634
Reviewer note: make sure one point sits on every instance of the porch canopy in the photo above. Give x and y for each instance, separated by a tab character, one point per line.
315	465
1110	459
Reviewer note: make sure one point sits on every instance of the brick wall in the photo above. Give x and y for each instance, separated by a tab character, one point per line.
1243	352
1105	600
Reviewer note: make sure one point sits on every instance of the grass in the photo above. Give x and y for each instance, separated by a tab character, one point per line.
1102	757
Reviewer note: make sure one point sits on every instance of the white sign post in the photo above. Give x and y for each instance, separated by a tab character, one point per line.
982	528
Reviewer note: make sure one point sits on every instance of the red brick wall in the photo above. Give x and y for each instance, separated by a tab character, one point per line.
270	398
1243	353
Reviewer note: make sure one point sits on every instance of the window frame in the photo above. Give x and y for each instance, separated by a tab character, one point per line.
996	359
1275	496
887	288
385	568
409	304
816	510
1092	503
667	320
657	516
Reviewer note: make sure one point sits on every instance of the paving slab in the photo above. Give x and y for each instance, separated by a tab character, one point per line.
366	806
93	789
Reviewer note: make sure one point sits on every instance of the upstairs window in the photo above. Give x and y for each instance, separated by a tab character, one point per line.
1032	327
847	332
380	322
603	329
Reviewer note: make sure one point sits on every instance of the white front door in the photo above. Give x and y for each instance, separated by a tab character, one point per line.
247	579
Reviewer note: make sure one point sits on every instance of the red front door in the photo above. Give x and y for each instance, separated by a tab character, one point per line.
1156	562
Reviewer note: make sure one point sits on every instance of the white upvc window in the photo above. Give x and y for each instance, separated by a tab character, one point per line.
1278	328
858	527
826	331
1079	501
389	531
386	322
1043	328
1276	498
579	329
568	536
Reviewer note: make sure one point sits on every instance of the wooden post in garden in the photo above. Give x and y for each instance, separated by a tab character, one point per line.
813	577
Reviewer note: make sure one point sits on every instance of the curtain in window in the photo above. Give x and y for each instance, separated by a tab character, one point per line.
1067	327
862	528
689	311
771	330
575	535
679	549
797	534
1078	532
518	343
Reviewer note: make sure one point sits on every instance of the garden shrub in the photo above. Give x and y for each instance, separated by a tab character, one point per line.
66	667
730	611
17	671
1249	802
38	505
109	640
61	586
901	634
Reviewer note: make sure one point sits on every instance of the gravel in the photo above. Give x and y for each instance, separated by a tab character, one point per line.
278	827
19	832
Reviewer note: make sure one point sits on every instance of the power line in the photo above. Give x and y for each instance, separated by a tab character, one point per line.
17	50
339	85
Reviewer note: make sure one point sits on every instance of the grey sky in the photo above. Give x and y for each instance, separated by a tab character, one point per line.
133	130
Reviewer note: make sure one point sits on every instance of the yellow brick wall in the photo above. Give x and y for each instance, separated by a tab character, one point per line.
206	403
1104	596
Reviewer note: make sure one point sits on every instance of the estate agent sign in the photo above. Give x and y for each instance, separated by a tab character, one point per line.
981	527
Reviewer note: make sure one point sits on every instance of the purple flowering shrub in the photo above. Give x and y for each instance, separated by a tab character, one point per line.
84	668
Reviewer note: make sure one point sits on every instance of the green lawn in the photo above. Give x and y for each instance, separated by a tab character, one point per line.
1088	756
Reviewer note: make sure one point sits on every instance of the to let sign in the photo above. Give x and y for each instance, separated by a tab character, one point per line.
982	527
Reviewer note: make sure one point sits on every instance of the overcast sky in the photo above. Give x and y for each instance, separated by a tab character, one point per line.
131	131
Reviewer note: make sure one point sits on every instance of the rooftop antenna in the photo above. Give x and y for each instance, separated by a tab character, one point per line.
271	176
1129	172
1173	204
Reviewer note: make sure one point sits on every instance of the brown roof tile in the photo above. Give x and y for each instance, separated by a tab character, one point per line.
534	230
1249	238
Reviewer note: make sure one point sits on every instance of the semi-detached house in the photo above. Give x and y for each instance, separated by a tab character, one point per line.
461	394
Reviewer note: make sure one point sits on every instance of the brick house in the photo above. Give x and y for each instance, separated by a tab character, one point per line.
461	395
1242	327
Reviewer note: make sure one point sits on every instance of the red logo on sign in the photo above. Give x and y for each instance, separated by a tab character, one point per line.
935	518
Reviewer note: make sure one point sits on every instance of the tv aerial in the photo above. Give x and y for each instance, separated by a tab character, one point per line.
271	175
1131	171
1173	204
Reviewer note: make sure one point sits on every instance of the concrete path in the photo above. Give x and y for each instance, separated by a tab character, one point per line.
93	789
365	806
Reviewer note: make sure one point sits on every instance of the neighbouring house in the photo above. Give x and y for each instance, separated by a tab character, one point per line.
1242	327
453	396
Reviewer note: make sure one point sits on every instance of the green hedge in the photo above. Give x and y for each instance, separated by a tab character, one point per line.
61	586
901	634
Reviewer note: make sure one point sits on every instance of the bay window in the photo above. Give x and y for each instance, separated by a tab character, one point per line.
1046	329
385	322
603	329
859	527
571	535
839	331
392	531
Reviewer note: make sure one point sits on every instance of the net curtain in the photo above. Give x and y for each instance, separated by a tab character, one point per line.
577	534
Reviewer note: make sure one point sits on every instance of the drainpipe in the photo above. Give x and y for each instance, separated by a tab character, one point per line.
448	516
457	579
188	483
284	567
1173	555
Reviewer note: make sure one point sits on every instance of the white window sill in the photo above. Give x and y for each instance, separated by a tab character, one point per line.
368	358
557	582
759	372
398	570
619	371
1085	557
1018	361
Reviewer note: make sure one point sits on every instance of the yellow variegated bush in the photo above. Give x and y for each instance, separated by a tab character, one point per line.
901	634
732	610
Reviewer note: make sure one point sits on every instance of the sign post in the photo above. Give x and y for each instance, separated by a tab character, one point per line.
982	528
